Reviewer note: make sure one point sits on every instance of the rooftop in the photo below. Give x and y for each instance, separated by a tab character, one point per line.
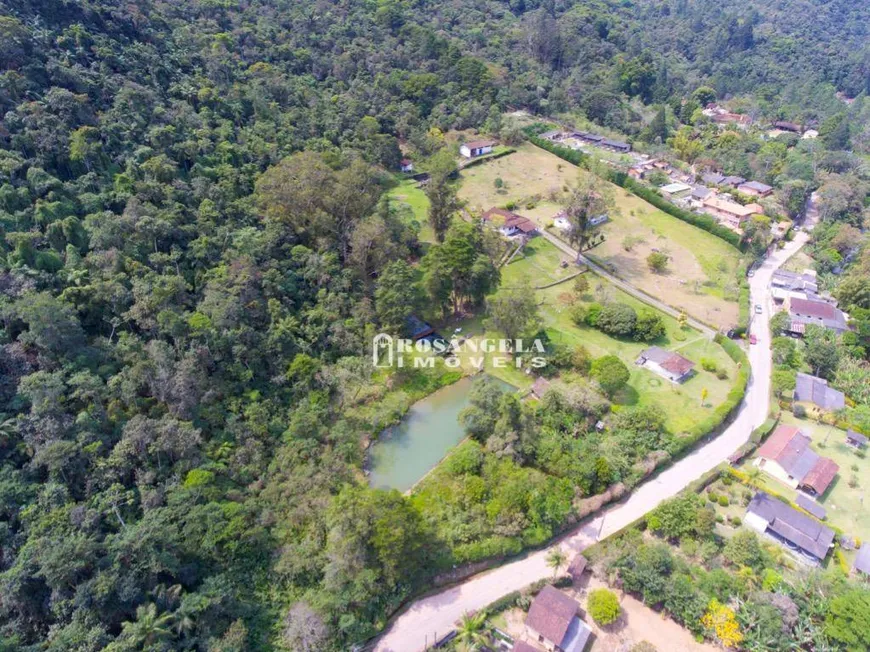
509	220
862	561
805	502
672	188
856	437
790	448
551	614
815	390
732	207
668	360
757	186
799	529
476	144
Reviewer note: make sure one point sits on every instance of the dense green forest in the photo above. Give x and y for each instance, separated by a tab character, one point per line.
191	203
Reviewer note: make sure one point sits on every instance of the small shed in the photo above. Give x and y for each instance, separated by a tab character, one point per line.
540	387
577	566
856	439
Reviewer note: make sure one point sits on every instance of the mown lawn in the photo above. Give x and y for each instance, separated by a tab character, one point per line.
702	274
416	205
845	504
682	403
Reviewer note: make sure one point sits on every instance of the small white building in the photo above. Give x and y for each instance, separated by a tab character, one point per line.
675	190
476	148
407	165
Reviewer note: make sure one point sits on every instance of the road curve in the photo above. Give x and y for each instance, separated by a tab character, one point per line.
431	617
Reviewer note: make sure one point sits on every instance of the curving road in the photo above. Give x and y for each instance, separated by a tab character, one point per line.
434	616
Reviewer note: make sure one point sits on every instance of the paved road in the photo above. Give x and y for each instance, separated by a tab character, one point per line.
622	285
434	616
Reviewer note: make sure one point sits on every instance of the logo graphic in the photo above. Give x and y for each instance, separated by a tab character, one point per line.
392	352
383	355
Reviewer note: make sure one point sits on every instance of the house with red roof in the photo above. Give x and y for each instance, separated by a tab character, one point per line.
666	364
787	456
509	224
476	148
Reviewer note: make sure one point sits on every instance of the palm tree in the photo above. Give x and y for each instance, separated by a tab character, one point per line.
149	626
473	631
555	560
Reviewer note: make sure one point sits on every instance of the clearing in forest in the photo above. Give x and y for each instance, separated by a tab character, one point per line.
702	273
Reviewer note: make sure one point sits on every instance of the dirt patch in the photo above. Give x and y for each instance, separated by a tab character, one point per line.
639	623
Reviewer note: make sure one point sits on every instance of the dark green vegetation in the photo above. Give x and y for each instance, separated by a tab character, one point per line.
721	581
195	252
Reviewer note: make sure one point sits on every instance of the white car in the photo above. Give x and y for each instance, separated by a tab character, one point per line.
757	308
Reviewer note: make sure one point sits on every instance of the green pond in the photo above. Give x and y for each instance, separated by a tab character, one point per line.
407	451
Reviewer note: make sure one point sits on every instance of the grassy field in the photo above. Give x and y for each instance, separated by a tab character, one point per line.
681	402
702	275
416	204
844	503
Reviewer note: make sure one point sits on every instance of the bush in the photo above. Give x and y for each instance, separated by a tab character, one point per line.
617	319
708	365
799	411
657	262
611	374
603	606
593	311
723	501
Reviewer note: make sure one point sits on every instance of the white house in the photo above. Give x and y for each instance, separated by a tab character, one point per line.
666	364
407	165
476	148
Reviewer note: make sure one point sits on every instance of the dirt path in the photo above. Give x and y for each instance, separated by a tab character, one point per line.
625	287
428	618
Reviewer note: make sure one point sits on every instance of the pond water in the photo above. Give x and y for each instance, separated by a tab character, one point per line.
407	451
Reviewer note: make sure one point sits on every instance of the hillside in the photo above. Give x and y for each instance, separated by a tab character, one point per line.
195	254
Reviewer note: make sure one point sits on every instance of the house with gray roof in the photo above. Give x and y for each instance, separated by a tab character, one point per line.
815	390
785	284
713	178
862	560
804	312
799	532
755	188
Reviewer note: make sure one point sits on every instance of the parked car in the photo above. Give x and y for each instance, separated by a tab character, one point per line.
753	339
757	308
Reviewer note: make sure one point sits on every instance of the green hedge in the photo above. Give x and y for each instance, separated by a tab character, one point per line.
488	157
724	409
574	156
705	222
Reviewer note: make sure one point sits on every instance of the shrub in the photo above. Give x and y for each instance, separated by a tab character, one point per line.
649	326
657	262
593	311
617	319
721	374
799	411
708	365
603	606
611	374
723	501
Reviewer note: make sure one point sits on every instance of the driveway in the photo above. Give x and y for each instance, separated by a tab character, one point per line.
622	285
429	618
